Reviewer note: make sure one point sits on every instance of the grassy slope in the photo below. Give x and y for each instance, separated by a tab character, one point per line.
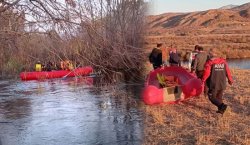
195	121
226	30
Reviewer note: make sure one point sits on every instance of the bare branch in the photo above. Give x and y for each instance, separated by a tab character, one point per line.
5	6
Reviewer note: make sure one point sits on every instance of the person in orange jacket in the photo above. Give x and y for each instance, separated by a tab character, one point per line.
66	65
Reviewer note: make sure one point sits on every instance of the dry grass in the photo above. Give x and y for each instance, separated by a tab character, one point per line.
232	45
196	122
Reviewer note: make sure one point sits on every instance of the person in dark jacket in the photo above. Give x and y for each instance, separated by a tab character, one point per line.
199	62
155	57
49	66
215	75
174	59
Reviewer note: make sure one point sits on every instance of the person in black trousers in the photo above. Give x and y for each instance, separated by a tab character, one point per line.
155	57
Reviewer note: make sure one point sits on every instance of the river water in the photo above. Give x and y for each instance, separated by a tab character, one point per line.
239	63
233	63
68	112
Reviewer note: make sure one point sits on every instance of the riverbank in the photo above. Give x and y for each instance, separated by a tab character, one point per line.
196	122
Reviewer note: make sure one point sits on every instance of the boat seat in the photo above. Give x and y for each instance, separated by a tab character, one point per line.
167	81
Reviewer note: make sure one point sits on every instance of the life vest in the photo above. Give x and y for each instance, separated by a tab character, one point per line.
67	65
70	66
38	67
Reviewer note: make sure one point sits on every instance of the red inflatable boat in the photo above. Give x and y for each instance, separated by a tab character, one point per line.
179	85
56	74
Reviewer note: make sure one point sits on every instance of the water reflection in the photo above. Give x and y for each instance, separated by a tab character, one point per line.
239	63
67	112
15	109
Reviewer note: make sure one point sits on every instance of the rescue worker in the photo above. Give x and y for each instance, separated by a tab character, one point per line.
67	65
49	66
70	65
215	74
63	65
38	66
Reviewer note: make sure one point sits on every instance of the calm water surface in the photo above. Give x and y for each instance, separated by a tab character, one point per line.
67	112
239	63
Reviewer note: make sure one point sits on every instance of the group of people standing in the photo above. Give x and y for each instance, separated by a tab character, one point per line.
158	58
208	66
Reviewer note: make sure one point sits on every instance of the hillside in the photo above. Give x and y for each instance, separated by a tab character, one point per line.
226	29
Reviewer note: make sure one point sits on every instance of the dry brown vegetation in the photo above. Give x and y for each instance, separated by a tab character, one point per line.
225	29
195	121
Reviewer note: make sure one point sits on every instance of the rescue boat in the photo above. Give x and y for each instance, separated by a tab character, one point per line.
170	85
82	71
